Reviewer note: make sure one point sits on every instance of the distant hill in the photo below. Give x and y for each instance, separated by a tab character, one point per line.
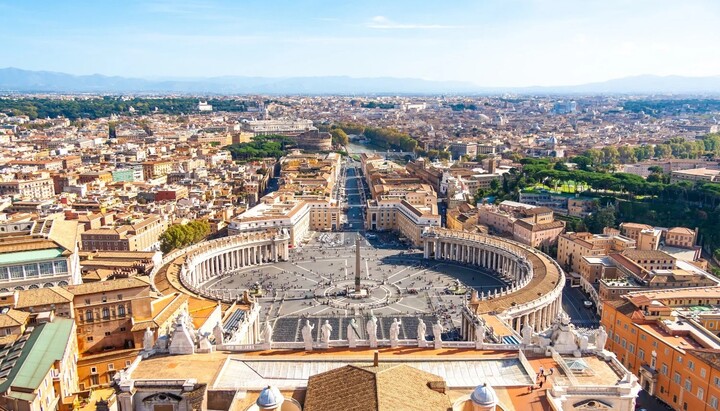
25	81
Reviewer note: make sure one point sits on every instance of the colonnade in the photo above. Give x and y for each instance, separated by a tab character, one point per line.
216	257
511	260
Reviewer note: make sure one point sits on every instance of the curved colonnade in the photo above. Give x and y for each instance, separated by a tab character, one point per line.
535	295
226	254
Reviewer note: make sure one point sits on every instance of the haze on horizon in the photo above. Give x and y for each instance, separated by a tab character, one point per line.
508	43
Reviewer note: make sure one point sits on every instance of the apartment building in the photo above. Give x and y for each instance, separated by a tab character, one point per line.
531	225
29	186
39	371
38	253
400	216
157	168
139	235
284	211
668	338
573	246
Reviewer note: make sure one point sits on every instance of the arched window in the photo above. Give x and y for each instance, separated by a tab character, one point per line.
88	315
106	313
121	311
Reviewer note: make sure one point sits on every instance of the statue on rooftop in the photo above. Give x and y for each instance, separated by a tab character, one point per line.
352	333
307	335
326	331
527	332
394	332
421	333
437	333
600	338
266	333
371	328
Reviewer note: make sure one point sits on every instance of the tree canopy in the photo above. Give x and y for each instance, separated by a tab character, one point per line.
178	235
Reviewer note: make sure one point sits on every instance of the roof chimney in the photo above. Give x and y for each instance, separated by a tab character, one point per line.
376	358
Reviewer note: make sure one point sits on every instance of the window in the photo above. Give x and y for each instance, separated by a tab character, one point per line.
89	339
121	311
676	378
106	313
107	333
716	381
641	354
87	301
700	393
632	348
93	370
88	315
643	337
119	296
688	384
691	365
702	372
127	363
713	402
104	299
680	360
111	367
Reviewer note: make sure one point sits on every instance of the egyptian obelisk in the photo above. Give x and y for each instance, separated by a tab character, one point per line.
357	264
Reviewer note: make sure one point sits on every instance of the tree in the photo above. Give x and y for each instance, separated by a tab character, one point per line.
339	136
598	220
178	235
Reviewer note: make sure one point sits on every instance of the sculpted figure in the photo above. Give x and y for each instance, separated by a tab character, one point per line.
600	338
371	328
326	329
307	335
352	333
421	333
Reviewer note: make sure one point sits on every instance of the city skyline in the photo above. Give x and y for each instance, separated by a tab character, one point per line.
488	43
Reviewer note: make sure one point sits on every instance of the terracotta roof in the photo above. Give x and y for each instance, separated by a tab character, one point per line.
13	318
386	387
43	296
101	286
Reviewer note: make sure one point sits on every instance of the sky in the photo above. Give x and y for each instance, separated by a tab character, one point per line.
493	43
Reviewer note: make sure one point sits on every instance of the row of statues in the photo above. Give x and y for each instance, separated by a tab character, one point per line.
353	335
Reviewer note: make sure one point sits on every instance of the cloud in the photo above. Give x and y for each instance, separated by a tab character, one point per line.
384	23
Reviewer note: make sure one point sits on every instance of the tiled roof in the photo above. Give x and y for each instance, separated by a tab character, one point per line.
361	388
101	286
43	296
13	318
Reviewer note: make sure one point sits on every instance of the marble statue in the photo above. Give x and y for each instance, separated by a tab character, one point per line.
326	329
352	333
583	342
480	334
266	333
371	328
218	333
307	335
394	332
421	333
437	333
148	339
600	338
527	333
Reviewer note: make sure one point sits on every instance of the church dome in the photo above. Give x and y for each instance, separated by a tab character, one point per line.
270	397
484	395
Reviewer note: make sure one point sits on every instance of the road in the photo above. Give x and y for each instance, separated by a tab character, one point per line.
572	303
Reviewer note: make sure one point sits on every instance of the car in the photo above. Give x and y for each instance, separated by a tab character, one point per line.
588	304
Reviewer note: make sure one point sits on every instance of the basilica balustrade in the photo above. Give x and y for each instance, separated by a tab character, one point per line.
536	280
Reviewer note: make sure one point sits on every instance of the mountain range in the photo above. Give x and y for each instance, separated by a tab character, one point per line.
16	80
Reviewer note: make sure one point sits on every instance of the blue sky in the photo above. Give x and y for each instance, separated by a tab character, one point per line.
487	42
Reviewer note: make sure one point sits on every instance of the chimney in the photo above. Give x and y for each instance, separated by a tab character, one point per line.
376	358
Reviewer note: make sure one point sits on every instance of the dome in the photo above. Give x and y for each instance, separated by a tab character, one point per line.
484	395
270	397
